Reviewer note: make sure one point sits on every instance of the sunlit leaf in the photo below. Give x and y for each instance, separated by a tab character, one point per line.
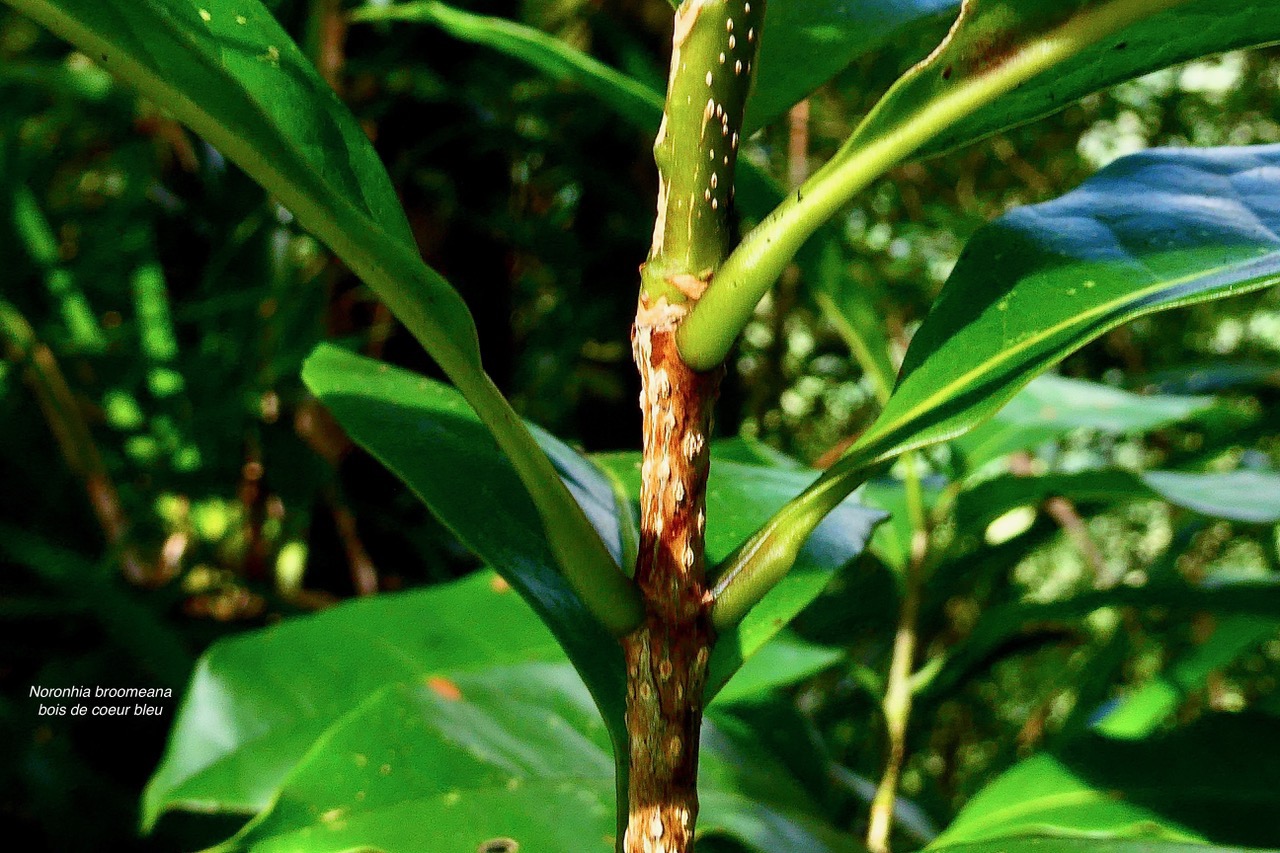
1153	231
427	435
258	702
1201	783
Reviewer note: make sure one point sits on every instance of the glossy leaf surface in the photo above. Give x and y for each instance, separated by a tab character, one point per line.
1151	232
515	753
425	433
257	702
1200	783
739	499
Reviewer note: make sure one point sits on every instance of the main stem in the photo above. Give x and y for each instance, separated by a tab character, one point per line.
667	656
713	51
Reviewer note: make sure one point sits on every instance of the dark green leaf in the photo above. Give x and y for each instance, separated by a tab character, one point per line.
428	436
259	701
509	753
228	70
1207	782
1138	713
783	660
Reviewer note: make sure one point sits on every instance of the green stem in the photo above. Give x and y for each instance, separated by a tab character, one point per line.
899	688
753	267
696	150
758	564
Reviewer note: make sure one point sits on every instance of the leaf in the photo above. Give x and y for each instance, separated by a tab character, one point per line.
1204	782
257	702
1005	64
425	433
1247	496
229	71
1154	231
512	753
739	499
1052	406
806	42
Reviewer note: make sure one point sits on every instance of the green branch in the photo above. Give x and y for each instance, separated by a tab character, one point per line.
872	149
696	150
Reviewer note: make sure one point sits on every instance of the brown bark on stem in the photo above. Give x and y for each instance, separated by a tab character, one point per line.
667	656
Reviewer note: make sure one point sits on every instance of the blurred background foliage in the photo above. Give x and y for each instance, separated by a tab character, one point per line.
165	480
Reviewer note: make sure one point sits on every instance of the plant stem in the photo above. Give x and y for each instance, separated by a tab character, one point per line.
667	657
880	142
899	687
713	51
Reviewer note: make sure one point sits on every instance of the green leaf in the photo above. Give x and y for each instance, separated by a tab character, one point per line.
1153	231
1052	406
257	702
425	433
1002	63
739	499
1138	714
1247	496
806	42
229	71
512	753
1206	782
